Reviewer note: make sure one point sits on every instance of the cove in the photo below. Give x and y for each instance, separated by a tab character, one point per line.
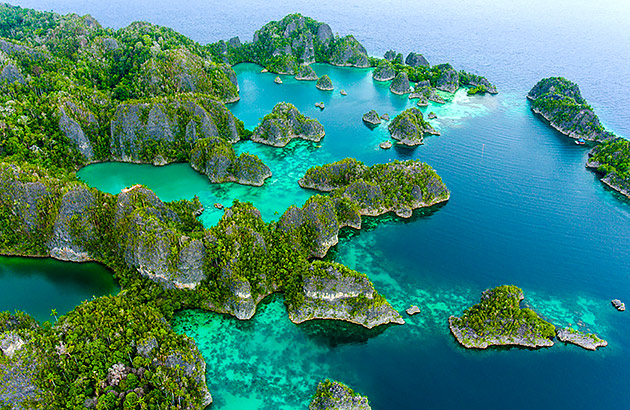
36	286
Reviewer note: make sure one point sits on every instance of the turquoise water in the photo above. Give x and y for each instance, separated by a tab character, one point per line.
37	286
523	209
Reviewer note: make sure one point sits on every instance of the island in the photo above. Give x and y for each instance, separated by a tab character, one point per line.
324	83
306	73
334	395
498	320
398	186
332	291
588	341
400	84
215	158
284	124
409	127
384	71
560	102
371	118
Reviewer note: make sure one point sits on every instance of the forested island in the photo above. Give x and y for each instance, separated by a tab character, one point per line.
75	93
560	102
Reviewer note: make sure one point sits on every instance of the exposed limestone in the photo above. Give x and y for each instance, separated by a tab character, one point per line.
324	83
448	79
588	341
333	395
332	291
384	71
73	220
278	80
409	127
619	305
371	118
416	60
306	73
385	144
400	84
412	310
285	123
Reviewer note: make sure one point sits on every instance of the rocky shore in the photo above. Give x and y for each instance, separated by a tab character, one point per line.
409	127
588	341
284	124
333	395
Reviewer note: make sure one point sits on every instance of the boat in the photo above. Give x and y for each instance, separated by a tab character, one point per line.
581	141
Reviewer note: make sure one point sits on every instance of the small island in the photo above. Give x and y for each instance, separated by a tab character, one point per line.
306	73
498	320
384	71
333	395
371	118
611	160
400	85
332	291
284	124
588	341
560	102
398	186
409	127
215	158
324	83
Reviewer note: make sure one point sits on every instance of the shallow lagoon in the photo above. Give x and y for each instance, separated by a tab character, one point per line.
523	211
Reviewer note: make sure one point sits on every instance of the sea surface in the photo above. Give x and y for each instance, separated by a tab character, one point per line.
523	208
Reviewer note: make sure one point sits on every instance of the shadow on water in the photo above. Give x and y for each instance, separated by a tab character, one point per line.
333	333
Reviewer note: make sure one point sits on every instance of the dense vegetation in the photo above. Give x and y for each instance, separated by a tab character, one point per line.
498	319
285	123
333	395
409	127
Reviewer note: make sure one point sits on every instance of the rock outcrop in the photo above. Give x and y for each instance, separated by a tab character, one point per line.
285	123
424	92
398	187
393	57
333	395
332	291
400	85
416	60
11	74
619	305
324	83
371	118
73	226
215	158
498	320
588	341
560	102
306	73
409	127
448	78
70	117
137	128
477	82
384	71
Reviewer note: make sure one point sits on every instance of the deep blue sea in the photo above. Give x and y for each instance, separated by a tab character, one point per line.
523	208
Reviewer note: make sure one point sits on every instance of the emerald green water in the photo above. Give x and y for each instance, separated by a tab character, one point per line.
36	286
523	211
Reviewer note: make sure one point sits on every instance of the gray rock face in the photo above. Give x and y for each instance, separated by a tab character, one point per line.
153	248
425	93
11	74
409	127
332	291
588	341
416	60
384	71
412	310
136	126
10	344
400	84
324	33
371	118
284	124
448	79
73	215
324	83
619	305
390	55
317	215
72	129
234	42
337	396
349	52
306	73
215	158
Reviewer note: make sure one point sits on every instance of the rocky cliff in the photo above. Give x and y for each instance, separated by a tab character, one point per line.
416	60
325	83
215	158
400	85
384	71
447	79
332	291
409	127
333	395
285	123
560	102
306	73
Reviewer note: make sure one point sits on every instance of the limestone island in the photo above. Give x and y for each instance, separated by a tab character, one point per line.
332	291
400	85
284	124
561	104
498	320
278	80
409	127
333	395
324	83
306	73
371	117
215	158
384	71
398	186
588	341
424	92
